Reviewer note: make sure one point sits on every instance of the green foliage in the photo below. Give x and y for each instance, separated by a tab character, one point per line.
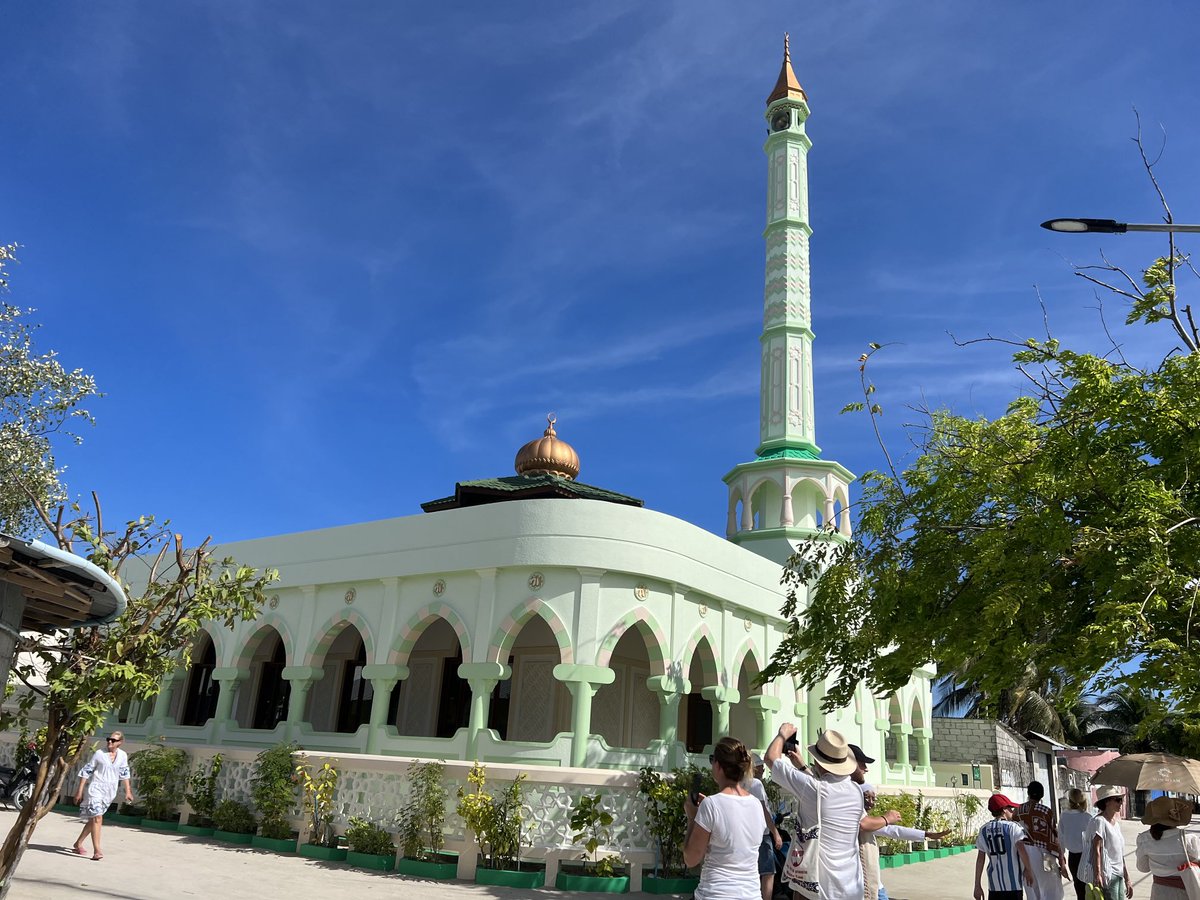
229	815
1066	529
273	790
591	825
421	822
202	789
161	774
665	818
317	794
366	837
495	820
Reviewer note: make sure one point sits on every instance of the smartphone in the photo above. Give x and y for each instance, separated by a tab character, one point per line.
695	791
791	744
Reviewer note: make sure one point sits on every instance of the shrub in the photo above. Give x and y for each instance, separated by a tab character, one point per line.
202	789
161	773
422	820
230	815
366	837
494	820
592	825
317	794
665	818
274	790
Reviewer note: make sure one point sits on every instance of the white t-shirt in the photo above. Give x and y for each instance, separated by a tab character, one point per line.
1071	827
756	789
1166	855
1113	858
730	868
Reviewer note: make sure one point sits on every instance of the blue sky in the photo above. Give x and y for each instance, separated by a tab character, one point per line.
327	260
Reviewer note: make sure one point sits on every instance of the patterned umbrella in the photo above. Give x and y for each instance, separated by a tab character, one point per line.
1152	772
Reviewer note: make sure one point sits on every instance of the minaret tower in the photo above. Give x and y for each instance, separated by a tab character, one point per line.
788	492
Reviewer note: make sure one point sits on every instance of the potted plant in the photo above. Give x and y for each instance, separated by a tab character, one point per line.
233	822
370	847
496	823
667	824
421	823
316	793
273	790
592	827
201	796
161	774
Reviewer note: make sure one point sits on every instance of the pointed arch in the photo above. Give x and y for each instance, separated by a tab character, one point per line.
413	628
712	666
916	715
508	630
652	633
271	621
747	650
766	504
334	626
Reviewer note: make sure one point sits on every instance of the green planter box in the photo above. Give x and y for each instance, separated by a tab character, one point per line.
161	824
592	883
439	871
233	837
924	855
652	884
275	845
941	852
329	854
887	862
530	878
904	859
371	861
196	830
118	819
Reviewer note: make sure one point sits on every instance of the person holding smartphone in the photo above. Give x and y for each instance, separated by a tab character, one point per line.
725	830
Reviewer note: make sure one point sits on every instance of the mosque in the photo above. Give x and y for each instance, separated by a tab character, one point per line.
536	619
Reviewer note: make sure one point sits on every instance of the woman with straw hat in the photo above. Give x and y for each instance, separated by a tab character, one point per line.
1163	849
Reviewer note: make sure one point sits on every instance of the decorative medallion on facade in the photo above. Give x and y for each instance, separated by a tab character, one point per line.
536	580
274	601
439	587
747	624
702	609
641	592
350	595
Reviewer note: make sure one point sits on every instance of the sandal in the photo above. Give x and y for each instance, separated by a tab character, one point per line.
79	850
98	856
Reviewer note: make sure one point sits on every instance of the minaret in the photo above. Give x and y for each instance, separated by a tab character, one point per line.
788	492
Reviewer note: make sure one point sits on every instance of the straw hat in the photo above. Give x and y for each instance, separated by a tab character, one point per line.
833	754
1107	793
1171	811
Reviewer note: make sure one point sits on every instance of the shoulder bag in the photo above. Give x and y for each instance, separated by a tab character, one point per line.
802	869
1189	870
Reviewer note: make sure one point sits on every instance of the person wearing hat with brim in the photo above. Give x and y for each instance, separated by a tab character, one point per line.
1001	844
1103	861
868	847
1165	848
825	794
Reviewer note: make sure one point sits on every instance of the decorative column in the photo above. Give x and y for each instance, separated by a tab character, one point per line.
483	678
383	678
301	679
720	698
923	735
670	690
227	678
582	682
763	707
162	703
901	732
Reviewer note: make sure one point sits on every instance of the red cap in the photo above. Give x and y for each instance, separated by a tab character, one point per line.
998	802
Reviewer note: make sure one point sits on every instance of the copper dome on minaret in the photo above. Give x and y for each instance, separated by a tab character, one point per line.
548	455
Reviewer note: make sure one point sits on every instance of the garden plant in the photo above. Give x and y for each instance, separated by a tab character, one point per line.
161	774
273	790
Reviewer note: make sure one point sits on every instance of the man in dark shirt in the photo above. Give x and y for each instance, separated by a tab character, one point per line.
1046	858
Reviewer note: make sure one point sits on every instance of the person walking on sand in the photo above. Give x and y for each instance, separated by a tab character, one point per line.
1046	858
1070	830
1103	862
1166	849
1001	844
107	769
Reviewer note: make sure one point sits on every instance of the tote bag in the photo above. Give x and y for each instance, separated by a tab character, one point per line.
1189	871
802	869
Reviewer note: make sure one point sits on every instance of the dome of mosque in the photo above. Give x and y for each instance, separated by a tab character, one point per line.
548	455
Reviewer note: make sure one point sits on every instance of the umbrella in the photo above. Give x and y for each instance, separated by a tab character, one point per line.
1151	772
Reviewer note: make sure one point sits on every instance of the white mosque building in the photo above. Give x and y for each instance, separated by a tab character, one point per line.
538	620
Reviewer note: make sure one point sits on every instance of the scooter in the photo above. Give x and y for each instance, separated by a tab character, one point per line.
16	785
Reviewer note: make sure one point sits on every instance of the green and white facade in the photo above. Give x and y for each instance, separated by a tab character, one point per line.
546	622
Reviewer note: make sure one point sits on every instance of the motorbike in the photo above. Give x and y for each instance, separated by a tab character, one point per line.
16	784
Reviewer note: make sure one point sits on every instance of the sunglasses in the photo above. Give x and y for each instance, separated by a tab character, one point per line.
113	740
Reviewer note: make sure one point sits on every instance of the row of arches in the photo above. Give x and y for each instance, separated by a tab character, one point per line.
800	503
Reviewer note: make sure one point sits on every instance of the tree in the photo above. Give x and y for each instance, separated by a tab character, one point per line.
1045	700
39	400
1065	532
92	671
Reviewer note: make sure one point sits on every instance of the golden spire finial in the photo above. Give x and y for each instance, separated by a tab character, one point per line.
548	455
551	418
787	85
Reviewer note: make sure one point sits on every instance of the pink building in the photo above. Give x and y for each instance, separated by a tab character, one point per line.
1089	759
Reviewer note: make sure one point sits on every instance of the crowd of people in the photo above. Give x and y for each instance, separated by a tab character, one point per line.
832	855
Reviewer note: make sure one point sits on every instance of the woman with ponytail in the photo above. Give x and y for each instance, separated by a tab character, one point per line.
725	830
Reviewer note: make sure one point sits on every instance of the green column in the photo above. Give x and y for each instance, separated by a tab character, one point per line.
228	678
901	733
301	678
582	682
483	678
720	698
162	704
670	690
383	678
763	707
923	735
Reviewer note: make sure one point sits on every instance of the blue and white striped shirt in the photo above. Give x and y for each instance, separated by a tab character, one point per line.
999	839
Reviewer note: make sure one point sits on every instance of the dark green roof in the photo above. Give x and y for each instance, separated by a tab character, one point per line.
790	453
525	487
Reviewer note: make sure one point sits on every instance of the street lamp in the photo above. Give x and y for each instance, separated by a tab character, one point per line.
1111	226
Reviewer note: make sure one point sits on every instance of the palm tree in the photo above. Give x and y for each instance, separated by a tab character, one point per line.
1125	718
1047	701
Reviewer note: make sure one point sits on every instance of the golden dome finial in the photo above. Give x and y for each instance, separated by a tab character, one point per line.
787	85
548	455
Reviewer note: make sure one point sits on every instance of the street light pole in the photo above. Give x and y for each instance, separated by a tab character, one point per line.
1111	226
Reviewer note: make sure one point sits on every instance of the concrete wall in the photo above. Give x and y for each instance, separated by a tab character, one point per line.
984	741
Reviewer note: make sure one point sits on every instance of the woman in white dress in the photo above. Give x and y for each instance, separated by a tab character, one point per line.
108	769
1166	847
725	830
1071	826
